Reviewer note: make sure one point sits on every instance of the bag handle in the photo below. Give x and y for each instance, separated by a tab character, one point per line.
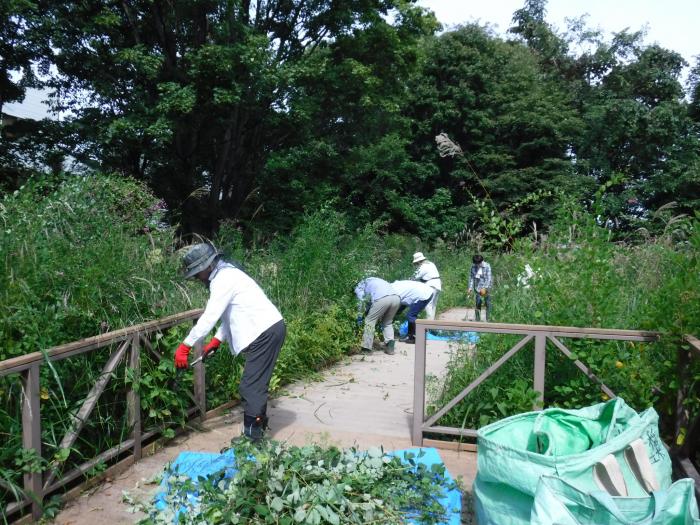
637	459
608	476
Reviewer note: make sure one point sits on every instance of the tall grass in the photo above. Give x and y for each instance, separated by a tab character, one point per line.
83	256
80	256
584	279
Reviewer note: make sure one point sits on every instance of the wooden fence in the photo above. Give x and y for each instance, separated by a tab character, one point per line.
131	341
683	455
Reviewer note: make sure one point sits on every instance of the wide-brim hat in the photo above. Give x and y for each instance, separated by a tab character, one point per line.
418	257
198	257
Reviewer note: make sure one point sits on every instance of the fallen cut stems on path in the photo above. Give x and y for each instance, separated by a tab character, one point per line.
277	483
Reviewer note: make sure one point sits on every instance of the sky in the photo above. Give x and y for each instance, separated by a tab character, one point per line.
673	24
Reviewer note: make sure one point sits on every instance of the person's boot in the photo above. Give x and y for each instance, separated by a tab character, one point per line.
411	335
390	347
265	419
253	427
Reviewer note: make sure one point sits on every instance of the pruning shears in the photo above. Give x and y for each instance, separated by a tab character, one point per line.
179	371
204	357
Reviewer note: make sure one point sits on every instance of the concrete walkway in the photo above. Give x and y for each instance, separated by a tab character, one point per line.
364	401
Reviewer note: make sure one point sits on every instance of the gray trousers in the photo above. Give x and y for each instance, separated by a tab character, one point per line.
382	310
260	358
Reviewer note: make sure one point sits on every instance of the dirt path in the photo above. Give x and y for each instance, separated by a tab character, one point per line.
363	401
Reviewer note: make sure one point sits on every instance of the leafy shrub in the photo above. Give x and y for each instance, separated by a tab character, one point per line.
584	279
82	255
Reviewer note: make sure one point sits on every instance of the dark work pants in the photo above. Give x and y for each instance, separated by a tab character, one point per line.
486	299
260	358
415	309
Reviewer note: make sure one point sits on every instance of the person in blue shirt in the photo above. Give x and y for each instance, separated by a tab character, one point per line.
480	280
378	299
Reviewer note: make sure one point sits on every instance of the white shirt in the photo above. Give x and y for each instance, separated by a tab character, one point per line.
241	305
428	273
412	291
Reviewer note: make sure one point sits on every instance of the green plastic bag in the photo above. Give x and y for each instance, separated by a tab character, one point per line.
559	503
607	446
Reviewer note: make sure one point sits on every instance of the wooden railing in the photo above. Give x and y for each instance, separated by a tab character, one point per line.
682	456
37	485
539	335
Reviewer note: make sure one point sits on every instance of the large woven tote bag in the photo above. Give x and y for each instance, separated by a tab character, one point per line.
607	446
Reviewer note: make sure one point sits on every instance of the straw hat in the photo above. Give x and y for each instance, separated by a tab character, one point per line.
418	257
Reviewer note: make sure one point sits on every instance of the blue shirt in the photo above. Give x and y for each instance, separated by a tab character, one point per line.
372	289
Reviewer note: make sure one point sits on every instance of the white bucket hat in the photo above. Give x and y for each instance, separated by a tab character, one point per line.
418	257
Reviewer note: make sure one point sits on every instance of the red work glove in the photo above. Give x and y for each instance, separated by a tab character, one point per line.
181	356
211	347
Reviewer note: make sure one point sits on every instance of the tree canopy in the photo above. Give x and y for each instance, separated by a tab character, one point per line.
259	112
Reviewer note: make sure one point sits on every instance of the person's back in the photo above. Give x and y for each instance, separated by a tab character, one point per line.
377	301
373	288
416	296
412	291
241	295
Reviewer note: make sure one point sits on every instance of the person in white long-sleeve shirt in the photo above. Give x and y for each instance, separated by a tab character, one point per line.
427	272
250	324
376	297
416	296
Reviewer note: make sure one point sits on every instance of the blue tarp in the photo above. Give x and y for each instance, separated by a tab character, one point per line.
202	464
467	337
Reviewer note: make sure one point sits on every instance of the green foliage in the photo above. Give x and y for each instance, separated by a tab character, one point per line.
21	47
82	255
277	483
202	95
512	124
161	387
583	279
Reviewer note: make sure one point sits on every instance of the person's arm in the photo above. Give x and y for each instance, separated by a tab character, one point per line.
361	295
221	296
419	274
487	277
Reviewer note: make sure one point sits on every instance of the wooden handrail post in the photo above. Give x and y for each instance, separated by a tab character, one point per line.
133	398
419	386
200	382
540	362
31	435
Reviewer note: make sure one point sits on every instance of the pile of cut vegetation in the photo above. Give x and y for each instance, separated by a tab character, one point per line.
273	482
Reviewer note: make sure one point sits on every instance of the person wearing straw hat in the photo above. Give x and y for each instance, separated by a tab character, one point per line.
427	272
250	324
